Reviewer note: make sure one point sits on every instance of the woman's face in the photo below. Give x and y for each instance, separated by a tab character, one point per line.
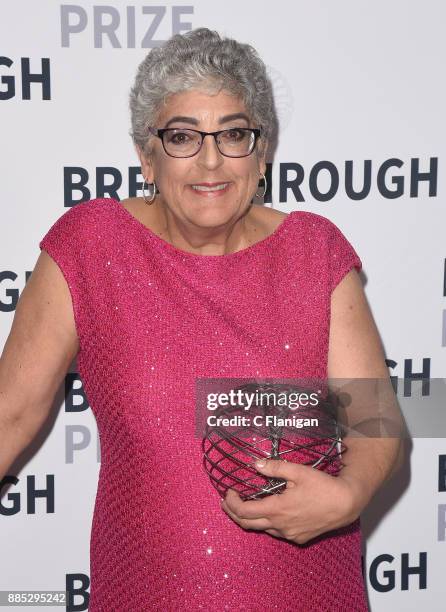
175	177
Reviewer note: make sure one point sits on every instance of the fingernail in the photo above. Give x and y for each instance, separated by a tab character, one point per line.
260	464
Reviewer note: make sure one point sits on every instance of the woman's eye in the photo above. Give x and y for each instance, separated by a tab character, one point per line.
234	134
179	138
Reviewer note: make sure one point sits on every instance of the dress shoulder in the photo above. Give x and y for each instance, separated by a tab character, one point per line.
78	221
329	245
72	241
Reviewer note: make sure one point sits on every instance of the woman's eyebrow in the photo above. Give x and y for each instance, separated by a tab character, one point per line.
194	121
182	119
233	117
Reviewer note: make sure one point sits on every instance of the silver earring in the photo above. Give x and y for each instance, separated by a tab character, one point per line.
265	189
150	200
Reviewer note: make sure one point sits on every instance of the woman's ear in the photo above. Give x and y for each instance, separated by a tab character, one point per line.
146	164
262	158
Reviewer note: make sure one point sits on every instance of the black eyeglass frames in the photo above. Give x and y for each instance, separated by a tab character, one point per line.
185	142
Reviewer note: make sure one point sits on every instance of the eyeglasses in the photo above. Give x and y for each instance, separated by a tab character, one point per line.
182	142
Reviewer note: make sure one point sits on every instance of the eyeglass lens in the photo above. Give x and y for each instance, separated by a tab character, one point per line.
235	142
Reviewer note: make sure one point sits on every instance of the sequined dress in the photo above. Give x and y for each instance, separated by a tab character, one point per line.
152	318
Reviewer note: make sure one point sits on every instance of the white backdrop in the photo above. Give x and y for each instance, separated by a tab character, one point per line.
354	81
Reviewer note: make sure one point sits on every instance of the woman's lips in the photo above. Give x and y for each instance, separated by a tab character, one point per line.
214	193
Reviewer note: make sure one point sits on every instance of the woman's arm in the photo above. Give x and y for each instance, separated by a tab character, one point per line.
39	349
356	354
315	502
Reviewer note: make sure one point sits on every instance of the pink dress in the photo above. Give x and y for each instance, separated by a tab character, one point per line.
151	319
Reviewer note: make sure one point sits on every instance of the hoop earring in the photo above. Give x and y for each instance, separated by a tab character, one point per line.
265	189
147	200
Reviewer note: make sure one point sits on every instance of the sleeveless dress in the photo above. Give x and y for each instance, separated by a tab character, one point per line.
151	318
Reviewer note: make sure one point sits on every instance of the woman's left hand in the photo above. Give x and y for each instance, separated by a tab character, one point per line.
312	503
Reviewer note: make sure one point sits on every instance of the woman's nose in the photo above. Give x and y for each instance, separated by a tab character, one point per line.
209	154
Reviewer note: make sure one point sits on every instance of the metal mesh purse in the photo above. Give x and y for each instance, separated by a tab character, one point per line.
229	451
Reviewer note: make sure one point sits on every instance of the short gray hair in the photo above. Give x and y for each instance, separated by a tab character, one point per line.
200	59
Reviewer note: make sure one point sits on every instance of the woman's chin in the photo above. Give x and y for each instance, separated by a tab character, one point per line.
210	213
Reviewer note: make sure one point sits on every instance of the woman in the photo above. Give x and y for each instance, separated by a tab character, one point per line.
193	281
